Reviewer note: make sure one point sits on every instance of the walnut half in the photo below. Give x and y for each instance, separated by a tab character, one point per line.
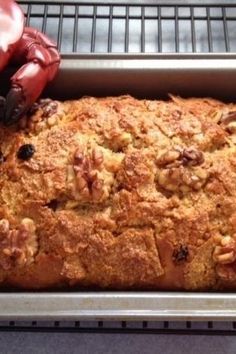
189	156
228	121
88	178
181	179
18	246
225	251
192	157
224	255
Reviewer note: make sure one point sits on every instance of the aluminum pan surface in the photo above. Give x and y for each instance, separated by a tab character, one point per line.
141	76
117	306
146	76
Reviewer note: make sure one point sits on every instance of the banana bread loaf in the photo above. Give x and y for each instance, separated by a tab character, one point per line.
120	193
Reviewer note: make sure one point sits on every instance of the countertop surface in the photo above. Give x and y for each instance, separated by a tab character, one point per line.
30	343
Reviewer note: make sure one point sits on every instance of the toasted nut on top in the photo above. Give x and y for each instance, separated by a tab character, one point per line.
228	118
97	157
18	245
86	167
225	251
4	226
192	157
225	256
228	121
187	157
179	178
168	157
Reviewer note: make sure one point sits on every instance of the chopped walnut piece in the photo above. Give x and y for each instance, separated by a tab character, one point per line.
228	121
226	272
17	246
173	173
187	157
169	157
224	255
4	226
97	157
82	184
78	158
225	251
86	168
192	157
49	109
232	127
97	189
179	178
228	117
44	114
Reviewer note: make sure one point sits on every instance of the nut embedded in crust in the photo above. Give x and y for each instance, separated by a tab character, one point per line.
192	157
177	156
225	255
169	157
44	114
228	121
97	189
49	109
181	179
228	117
4	226
17	246
225	251
86	168
97	157
226	272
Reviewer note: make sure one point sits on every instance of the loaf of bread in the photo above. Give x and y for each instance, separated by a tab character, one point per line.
119	193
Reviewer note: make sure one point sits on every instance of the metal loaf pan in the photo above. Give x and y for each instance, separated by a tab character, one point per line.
146	77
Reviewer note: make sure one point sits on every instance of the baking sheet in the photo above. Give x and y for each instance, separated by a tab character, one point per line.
141	76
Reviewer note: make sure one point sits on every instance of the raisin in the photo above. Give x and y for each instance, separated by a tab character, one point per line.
53	204
180	254
26	151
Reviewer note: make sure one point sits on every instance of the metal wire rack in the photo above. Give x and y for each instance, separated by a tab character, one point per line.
135	26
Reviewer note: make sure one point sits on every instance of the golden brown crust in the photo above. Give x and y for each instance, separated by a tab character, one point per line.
120	193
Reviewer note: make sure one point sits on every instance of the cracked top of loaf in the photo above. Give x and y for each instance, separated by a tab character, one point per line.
120	193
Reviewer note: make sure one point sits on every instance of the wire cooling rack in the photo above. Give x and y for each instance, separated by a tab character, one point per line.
136	26
133	27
